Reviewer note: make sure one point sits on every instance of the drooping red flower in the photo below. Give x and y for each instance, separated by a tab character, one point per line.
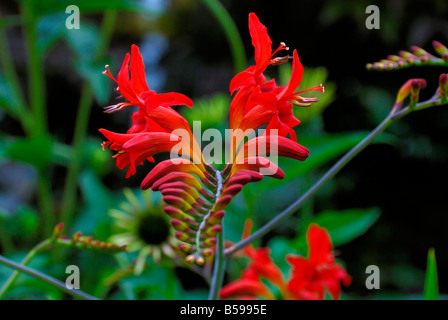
309	278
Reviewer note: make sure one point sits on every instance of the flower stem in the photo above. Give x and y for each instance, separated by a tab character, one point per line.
326	177
36	80
231	31
46	278
219	268
394	115
82	119
39	247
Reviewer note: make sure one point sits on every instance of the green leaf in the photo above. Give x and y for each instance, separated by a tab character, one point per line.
343	226
35	151
8	100
50	29
431	282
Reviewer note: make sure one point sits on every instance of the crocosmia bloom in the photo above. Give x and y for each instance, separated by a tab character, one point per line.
309	278
195	193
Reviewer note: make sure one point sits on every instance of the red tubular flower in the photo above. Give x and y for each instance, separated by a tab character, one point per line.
312	276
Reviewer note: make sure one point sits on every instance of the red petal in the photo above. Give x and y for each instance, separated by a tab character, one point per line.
243	79
272	145
260	165
261	41
296	76
137	68
319	243
168	100
168	166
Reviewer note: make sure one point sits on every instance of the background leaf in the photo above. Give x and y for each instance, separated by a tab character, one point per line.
343	226
431	282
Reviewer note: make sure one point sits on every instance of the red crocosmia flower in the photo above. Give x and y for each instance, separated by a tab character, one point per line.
255	92
131	81
311	276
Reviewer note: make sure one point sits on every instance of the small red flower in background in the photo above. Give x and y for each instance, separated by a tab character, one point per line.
310	277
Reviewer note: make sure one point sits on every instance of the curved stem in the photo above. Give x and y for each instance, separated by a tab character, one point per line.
13	277
219	268
231	31
327	176
436	100
46	278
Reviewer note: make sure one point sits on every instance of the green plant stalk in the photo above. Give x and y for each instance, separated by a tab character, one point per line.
82	119
36	80
46	278
45	202
394	115
231	31
13	277
5	239
219	268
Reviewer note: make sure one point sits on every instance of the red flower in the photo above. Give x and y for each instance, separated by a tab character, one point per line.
309	277
319	272
275	103
132	85
153	122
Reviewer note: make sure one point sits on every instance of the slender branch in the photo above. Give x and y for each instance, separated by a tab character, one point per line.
39	247
219	268
46	278
394	115
231	31
82	119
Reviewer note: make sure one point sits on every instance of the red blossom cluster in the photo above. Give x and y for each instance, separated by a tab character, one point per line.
309	279
197	194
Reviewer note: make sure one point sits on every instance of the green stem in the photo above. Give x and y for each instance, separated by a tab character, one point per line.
231	31
82	120
436	100
46	278
39	247
36	80
327	176
219	268
46	203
